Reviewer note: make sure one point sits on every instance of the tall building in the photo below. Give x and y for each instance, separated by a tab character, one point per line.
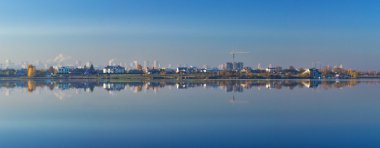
238	66
155	64
229	66
232	66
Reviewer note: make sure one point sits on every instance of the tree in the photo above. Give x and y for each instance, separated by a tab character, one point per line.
353	73
51	70
92	68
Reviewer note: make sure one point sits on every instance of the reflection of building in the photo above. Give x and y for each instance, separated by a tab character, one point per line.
181	86
228	86
234	88
114	86
311	83
64	86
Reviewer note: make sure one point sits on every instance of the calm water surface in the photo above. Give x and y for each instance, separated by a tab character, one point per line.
259	113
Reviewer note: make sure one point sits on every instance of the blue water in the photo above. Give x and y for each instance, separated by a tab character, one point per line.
260	113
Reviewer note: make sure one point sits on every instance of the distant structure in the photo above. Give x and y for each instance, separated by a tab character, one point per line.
273	70
236	66
31	71
232	66
139	67
114	70
64	70
313	73
155	64
234	53
182	70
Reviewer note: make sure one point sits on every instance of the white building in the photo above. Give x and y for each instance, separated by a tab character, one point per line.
114	70
182	70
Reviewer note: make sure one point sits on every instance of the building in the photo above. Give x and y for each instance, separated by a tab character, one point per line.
247	70
169	71
139	67
192	69
21	72
153	71
135	71
182	70
238	66
232	66
274	69
258	71
208	70
31	71
114	70
229	66
313	73
64	70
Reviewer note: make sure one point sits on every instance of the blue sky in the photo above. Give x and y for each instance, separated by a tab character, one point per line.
194	32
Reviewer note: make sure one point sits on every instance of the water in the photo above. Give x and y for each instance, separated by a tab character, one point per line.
259	113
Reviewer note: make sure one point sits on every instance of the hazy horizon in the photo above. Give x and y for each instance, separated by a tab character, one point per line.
284	33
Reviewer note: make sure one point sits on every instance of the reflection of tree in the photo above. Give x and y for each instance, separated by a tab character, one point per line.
339	84
31	85
138	89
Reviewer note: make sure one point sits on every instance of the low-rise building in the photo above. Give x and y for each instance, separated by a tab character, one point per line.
135	71
182	70
247	70
315	73
153	71
21	72
64	70
258	71
114	70
274	69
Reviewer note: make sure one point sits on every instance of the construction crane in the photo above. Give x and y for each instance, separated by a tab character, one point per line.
234	53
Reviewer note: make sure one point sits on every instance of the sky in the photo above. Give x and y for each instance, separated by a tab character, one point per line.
192	32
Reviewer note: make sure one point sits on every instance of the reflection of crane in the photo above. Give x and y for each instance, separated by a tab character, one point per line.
233	100
234	52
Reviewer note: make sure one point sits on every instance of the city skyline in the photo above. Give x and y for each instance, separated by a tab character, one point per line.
67	61
284	33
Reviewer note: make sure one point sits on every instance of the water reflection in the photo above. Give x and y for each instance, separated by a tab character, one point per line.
138	86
